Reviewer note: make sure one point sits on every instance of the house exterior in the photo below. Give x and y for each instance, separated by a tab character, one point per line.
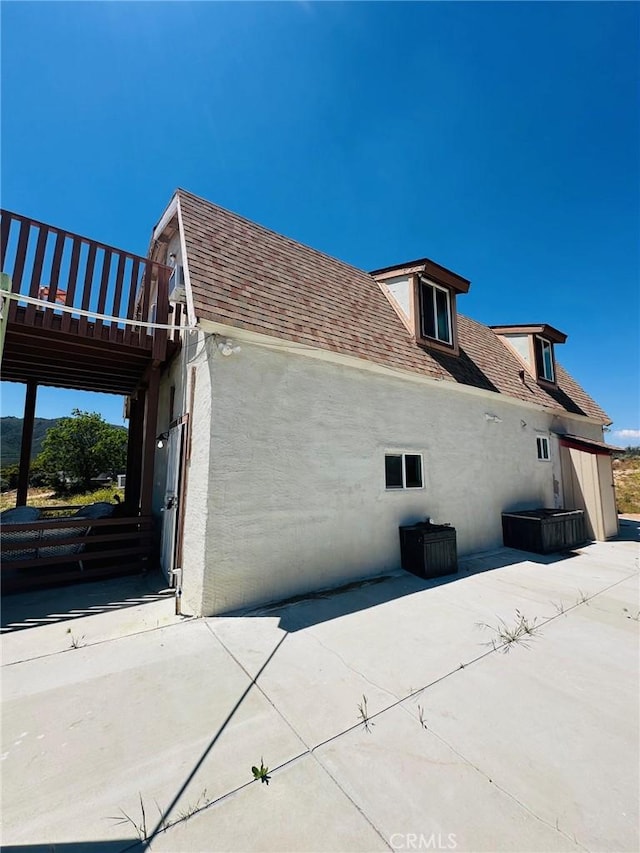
314	407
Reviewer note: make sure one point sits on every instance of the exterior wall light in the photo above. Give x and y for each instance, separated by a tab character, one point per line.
227	348
161	440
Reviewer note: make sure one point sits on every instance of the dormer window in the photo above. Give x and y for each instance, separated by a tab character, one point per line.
544	359
435	312
423	294
534	348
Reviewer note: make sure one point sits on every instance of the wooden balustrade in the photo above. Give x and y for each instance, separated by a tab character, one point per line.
64	269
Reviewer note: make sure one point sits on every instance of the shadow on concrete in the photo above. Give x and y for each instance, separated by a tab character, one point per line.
629	530
47	606
74	847
304	611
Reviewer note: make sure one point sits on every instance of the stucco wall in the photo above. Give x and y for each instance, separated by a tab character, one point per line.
191	365
293	466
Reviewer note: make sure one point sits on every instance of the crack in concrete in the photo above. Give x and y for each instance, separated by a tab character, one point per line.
352	668
431	730
399	702
254	680
402	702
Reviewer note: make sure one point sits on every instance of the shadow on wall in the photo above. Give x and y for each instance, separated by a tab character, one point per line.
526	503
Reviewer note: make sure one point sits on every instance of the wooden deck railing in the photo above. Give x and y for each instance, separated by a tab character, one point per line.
64	269
41	553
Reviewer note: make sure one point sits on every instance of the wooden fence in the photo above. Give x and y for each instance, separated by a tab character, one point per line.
59	550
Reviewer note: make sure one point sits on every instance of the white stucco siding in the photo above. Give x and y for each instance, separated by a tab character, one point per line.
399	288
297	498
193	356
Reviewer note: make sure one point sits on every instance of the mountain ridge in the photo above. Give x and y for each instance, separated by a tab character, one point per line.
11	437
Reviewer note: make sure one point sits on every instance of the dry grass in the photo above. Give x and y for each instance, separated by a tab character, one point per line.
626	476
46	497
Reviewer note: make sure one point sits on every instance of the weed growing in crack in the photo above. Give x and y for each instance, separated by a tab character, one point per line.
421	718
558	607
261	773
363	713
76	642
521	632
203	801
583	597
139	828
163	825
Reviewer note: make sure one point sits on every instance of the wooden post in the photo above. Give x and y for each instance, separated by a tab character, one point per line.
134	452
27	441
149	441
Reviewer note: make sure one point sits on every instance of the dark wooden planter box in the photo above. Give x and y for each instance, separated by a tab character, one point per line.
429	550
544	531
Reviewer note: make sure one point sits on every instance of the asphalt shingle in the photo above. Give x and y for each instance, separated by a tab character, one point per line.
248	277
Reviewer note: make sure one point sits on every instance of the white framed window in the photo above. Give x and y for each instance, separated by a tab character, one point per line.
403	471
544	359
435	312
542	445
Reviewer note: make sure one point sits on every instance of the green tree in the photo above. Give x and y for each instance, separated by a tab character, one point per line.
81	447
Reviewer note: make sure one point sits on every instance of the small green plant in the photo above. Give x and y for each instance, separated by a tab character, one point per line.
363	713
261	773
559	607
421	718
521	632
139	828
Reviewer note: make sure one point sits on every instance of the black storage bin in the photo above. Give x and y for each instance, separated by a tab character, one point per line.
429	550
544	531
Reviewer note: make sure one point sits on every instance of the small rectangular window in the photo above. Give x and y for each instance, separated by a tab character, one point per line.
544	359
393	471
543	448
435	305
413	471
403	470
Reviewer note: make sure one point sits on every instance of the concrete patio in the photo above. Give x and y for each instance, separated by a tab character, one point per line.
389	714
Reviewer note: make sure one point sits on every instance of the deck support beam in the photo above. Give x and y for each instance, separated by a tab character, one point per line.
26	443
149	441
134	452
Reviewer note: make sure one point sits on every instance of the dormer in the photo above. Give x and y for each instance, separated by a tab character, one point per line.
423	295
534	347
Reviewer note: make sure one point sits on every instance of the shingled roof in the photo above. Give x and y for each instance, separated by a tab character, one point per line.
251	278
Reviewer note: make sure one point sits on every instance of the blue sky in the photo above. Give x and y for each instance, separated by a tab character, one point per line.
499	139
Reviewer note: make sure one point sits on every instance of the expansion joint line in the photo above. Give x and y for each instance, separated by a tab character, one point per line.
163	826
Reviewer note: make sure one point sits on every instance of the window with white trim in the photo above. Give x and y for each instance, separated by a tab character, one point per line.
544	359
542	443
435	312
403	470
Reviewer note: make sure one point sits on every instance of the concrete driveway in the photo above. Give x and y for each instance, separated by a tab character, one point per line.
390	716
